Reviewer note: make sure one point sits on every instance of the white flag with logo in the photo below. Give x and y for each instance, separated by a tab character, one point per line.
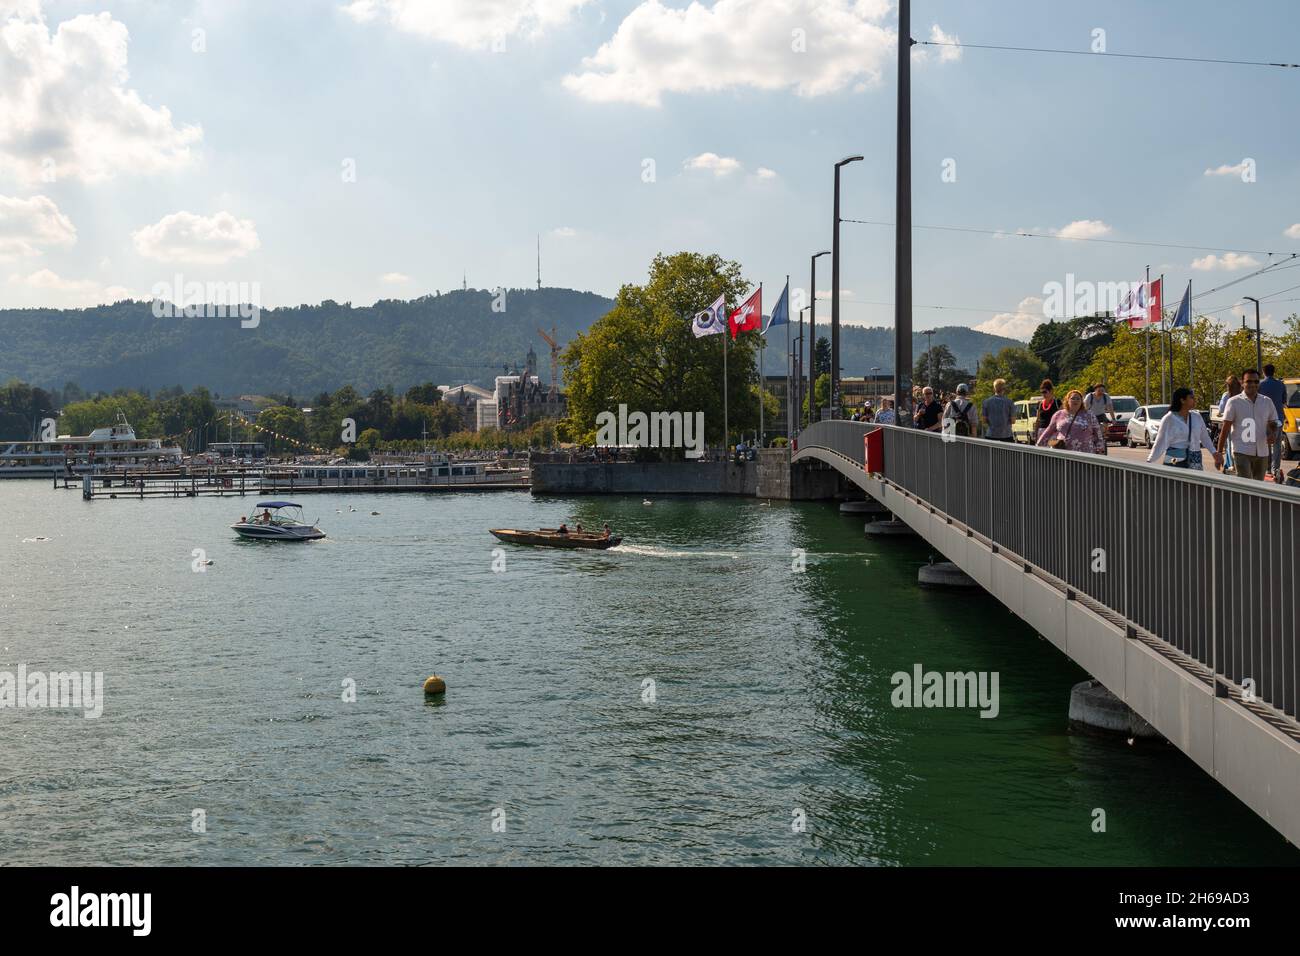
712	321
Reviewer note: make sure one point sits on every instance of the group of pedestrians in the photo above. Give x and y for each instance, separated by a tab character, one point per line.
1249	444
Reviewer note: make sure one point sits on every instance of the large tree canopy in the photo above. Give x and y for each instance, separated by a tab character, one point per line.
644	354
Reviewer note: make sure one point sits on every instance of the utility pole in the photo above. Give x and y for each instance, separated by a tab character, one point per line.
835	293
1259	344
903	223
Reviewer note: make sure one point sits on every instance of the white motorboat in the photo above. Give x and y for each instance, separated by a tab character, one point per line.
277	521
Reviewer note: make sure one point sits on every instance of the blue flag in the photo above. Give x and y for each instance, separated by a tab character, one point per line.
781	313
1183	317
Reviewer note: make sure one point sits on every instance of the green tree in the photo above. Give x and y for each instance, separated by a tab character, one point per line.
426	394
1022	369
821	357
285	421
643	352
938	367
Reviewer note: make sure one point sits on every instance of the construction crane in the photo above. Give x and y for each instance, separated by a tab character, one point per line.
555	360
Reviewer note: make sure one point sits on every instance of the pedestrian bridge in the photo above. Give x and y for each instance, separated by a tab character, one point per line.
1179	591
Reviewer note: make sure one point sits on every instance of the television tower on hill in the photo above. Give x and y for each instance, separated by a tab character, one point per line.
539	262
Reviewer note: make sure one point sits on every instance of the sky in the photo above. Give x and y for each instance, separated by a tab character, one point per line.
358	150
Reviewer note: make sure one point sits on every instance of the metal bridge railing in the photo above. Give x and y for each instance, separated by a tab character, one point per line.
1208	565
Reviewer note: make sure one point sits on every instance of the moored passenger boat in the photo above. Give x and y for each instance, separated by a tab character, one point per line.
111	449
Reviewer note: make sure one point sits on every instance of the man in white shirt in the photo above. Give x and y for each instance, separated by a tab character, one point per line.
1250	421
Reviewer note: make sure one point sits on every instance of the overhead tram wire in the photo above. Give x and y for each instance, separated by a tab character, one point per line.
1013	311
1123	56
1020	234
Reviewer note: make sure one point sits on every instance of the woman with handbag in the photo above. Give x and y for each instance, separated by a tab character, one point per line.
1074	428
1182	435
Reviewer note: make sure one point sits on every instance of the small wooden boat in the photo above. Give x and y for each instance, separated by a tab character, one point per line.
550	538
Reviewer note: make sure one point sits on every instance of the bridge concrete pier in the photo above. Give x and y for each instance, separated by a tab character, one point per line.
780	479
868	507
1094	709
890	528
943	574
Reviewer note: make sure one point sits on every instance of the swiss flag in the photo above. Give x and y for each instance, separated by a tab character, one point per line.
749	317
1155	305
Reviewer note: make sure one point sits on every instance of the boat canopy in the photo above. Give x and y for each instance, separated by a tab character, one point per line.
276	504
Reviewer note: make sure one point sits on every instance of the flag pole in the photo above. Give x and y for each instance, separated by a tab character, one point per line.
789	425
726	425
762	347
1191	340
1147	331
1166	368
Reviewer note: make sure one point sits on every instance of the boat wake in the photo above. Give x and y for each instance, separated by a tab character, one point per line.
650	551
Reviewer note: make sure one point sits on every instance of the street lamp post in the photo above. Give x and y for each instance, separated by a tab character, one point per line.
903	222
1259	345
812	331
835	293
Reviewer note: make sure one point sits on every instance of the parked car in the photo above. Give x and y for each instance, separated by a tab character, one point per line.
1022	428
1115	431
1142	427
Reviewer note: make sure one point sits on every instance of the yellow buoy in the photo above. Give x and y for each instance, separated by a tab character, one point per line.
435	685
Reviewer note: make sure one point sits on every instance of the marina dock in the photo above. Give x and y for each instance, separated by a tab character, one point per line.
238	483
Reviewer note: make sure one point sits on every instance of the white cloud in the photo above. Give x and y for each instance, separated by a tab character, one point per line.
54	290
812	47
472	24
713	163
1019	324
764	173
1228	262
947	54
1084	229
1293	232
564	232
27	226
65	109
1235	170
185	237
394	278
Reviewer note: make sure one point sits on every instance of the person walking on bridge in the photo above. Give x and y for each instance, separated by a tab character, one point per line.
1046	409
929	411
886	415
1274	388
961	412
1250	422
1231	387
1073	428
999	412
1182	435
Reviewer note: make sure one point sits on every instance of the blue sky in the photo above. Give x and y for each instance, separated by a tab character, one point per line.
475	125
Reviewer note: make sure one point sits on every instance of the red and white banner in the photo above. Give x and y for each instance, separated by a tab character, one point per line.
749	317
1143	306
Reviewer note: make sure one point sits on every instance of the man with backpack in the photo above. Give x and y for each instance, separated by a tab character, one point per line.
961	412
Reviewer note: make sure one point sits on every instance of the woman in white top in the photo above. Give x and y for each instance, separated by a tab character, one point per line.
1183	434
